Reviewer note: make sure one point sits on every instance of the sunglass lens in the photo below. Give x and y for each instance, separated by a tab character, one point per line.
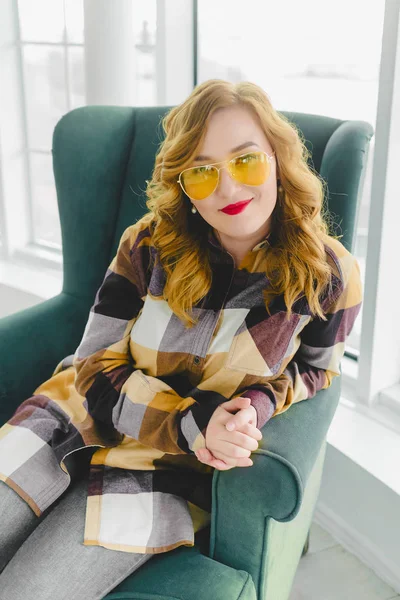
199	182
251	169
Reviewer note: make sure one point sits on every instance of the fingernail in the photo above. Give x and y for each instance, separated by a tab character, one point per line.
230	426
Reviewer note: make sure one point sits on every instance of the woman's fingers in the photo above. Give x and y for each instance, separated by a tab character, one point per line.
207	458
243	462
219	464
251	431
242	417
219	455
223	465
229	450
204	455
241	439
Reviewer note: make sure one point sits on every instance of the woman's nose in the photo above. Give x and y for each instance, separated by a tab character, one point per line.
226	184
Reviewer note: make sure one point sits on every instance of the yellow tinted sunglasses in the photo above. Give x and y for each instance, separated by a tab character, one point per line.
252	168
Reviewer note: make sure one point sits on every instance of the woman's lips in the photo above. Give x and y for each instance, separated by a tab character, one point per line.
236	208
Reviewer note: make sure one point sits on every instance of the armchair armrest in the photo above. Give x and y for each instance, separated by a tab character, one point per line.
243	498
32	343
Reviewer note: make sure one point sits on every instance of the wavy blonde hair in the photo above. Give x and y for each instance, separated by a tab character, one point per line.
297	265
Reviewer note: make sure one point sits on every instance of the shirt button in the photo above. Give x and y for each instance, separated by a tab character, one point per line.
196	360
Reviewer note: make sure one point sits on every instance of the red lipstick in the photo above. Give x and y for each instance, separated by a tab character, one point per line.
234	209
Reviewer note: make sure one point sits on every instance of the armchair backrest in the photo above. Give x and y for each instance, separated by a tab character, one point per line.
102	156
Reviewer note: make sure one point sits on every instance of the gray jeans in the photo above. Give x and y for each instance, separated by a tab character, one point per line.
44	557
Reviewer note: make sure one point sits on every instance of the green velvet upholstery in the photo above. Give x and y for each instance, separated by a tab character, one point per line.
261	515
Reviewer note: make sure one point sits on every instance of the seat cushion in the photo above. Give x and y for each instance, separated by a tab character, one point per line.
185	574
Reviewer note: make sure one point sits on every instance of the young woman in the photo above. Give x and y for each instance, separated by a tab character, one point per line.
224	305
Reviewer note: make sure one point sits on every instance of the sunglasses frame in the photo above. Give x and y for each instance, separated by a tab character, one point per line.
224	163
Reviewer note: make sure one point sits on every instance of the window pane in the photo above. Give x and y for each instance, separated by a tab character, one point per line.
74	21
327	65
76	69
41	20
45	92
330	65
46	221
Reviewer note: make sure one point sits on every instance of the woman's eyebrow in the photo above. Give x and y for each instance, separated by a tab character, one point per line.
236	149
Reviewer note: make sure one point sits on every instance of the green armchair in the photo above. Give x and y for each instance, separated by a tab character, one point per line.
261	515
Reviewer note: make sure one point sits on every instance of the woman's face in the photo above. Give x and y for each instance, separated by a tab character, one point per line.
227	129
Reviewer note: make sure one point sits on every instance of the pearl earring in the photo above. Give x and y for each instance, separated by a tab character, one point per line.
194	209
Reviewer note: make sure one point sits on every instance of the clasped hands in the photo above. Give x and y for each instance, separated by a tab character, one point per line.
228	448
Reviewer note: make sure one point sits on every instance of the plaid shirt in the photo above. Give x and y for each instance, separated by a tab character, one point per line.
140	389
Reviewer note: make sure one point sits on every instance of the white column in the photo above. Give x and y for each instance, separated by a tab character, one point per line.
109	48
379	362
174	51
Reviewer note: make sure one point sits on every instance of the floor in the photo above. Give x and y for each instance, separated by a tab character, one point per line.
329	572
13	300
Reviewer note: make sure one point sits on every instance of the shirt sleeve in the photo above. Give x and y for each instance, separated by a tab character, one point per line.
322	346
138	405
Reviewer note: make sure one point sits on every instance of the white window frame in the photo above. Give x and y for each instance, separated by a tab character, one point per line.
379	361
